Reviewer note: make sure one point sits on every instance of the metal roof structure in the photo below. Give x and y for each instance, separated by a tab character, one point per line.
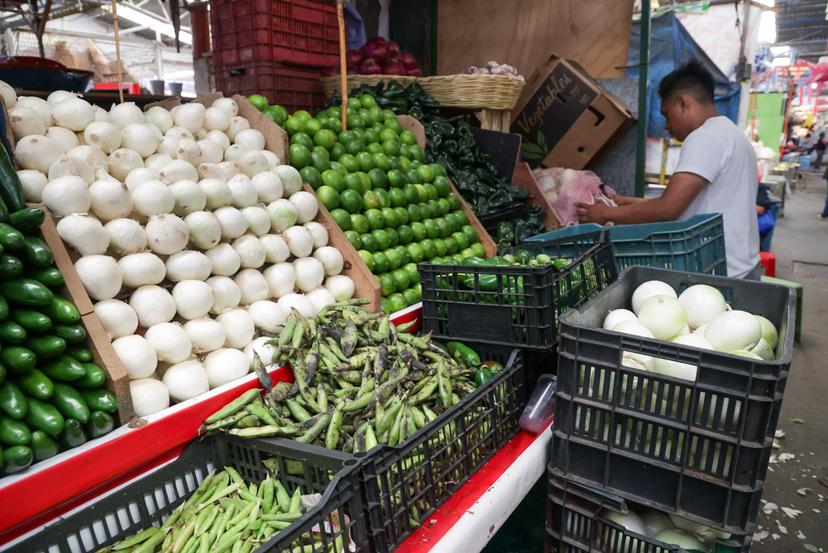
802	25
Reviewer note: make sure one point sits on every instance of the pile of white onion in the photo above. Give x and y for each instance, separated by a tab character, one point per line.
668	529
193	238
699	317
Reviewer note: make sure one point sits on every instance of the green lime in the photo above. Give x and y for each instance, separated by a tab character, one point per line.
391	147
383	197
393	237
422	193
451	245
414	152
302	138
366	161
393	124
299	155
407	137
432	230
277	114
375	114
440	246
372	139
312	176
470	233
461	239
405	163
258	101
355	120
462	218
387	134
394	258
375	219
354	239
355	146
411	296
478	249
397	179
414	212
333	179
431	191
378	178
359	222
454	202
353	182
419	230
381	236
434	209
320	158
332	124
396	302
367	101
369	243
413	273
381	161
429	249
443	227
337	151
380	261
312	126
325	138
368	258
329	197
385	305
426	173
403	253
415	251
438	170
412	196
425	209
466	253
388	114
364	180
351	201
293	125
354	103
451	223
339	168
397	197
387	286
370	200
443	206
440	183
342	218
405	234
400	277
390	216
402	214
413	176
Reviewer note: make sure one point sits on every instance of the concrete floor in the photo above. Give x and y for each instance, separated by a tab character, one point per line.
800	482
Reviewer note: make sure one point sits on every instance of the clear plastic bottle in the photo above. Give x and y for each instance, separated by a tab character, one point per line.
541	407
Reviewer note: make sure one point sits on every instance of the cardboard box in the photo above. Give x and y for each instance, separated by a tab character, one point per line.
565	117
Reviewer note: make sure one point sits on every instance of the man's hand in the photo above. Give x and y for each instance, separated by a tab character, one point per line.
595	213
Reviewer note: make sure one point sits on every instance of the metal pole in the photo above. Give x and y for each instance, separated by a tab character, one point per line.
643	73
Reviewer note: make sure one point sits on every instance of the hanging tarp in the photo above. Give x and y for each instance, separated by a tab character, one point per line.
670	47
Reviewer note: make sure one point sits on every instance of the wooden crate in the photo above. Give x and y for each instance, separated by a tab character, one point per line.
524	178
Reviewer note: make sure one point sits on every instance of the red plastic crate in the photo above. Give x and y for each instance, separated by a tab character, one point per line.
290	87
299	32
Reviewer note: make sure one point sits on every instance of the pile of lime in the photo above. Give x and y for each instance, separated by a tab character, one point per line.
395	209
275	113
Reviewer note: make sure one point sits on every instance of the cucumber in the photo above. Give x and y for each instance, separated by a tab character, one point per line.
70	403
11	238
14	432
31	320
63	369
73	434
10	266
26	291
62	312
80	353
17	359
37	385
100	423
4	309
12	333
17	457
44	416
13	401
11	191
46	347
27	220
50	276
95	377
100	400
73	334
36	253
43	446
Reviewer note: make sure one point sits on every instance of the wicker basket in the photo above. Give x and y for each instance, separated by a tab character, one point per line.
495	92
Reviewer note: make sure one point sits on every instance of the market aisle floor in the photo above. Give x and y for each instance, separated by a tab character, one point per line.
800	482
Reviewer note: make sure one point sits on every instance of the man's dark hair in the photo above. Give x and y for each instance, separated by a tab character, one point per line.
691	78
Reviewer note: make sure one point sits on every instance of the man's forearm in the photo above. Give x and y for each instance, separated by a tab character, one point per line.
644	211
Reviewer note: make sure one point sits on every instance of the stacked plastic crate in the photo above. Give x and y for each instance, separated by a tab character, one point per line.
276	48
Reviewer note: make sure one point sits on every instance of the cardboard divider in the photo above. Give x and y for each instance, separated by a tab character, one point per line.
524	178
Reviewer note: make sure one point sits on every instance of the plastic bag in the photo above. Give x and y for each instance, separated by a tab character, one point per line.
571	188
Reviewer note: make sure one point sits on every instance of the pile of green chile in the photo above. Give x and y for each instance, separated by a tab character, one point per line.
359	382
52	395
224	514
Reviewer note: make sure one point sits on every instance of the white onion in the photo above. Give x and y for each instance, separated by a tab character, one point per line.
71	166
125	114
663	315
239	326
273	160
186	380
110	199
122	161
282	214
141	138
153	305
156	162
166	234
74	114
242	190
190	116
37	152
219	138
169	147
216	192
649	289
38	105
299	302
257	220
263	349
250	250
188	265
117	318
677	369
227	105
276	249
253	163
91	155
686	541
177	170
65	138
56	97
149	396
100	275
209	151
193	298
170	342
233	224
159	117
140	269
104	135
226	293
215	171
224	259
617	316
299	241
342	287
189	197
655	522
268	186
763	350
321	298
267	315
233	153
216	119
309	273
633	328
281	279
769	333
137	355
629	521
331	260
25	122
179	133
205	229
250	139
747	354
205	334
306	206
189	151
253	286
733	330
8	94
125	236
703	303
225	365
66	195
236	124
291	179
33	183
705	533
84	234
319	234
153	198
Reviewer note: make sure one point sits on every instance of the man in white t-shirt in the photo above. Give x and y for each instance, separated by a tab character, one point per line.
716	172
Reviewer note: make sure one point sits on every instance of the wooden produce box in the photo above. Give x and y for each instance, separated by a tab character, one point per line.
524	178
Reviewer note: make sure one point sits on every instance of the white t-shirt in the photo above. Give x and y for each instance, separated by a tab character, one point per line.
721	154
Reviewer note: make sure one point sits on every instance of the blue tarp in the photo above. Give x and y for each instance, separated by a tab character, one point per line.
670	47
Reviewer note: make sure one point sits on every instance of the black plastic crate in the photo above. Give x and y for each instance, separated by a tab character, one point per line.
576	523
490	219
149	500
405	484
523	308
697	449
